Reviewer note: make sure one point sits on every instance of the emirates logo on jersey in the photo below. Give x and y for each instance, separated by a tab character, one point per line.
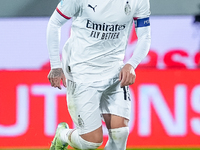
112	31
104	26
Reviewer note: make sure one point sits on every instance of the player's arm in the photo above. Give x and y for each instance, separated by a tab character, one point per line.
59	17
53	41
142	27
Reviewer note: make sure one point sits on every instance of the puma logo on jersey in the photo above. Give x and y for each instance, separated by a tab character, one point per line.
92	7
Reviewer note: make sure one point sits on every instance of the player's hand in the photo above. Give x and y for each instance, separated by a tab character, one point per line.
55	76
127	75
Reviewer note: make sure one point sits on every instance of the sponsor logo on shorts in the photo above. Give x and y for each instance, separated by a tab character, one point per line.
80	122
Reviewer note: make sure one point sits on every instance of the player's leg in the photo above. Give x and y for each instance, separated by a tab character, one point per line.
65	136
86	141
117	131
116	108
83	104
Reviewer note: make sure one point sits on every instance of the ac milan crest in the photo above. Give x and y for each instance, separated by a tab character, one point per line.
127	8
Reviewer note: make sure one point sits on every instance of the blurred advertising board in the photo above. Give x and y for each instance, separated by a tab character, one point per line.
165	109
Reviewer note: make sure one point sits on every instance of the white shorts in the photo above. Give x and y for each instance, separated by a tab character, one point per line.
88	101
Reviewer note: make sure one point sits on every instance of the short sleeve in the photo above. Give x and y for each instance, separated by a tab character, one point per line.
68	8
143	9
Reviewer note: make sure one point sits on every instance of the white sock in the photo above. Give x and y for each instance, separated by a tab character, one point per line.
80	143
64	135
117	139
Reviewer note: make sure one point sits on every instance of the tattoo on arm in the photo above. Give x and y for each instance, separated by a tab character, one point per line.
57	72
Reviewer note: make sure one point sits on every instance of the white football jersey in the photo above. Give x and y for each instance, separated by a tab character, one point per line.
99	36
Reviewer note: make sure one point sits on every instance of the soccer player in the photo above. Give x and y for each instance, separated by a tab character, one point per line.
92	62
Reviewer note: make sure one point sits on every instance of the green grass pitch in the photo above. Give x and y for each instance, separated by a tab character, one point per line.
127	149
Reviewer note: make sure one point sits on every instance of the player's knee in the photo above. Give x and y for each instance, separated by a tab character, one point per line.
94	136
90	145
121	131
80	143
97	138
119	134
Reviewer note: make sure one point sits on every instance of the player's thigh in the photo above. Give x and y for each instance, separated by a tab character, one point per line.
83	105
116	105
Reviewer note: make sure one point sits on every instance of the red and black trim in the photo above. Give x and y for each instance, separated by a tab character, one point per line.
135	18
126	93
66	17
